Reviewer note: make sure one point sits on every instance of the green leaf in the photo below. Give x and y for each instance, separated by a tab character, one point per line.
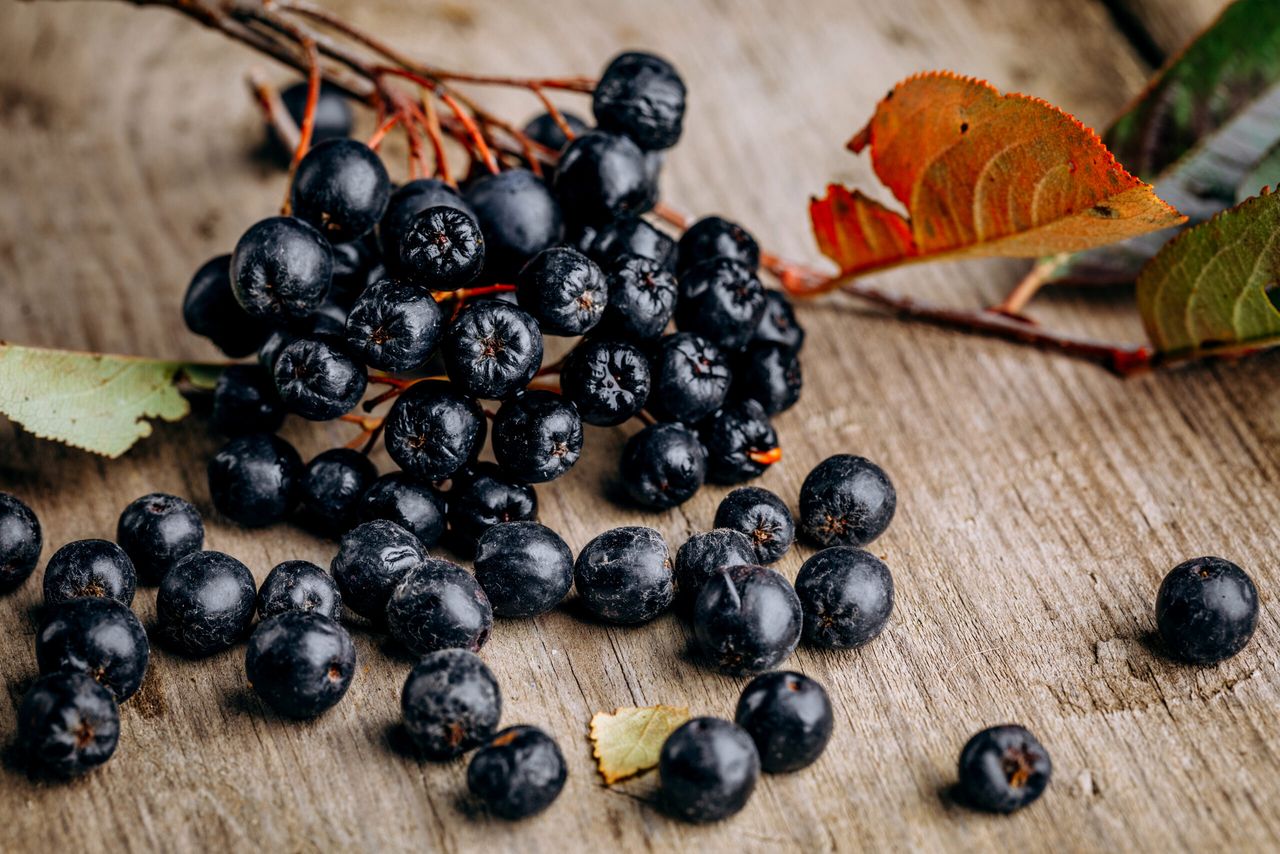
1208	289
96	402
1265	174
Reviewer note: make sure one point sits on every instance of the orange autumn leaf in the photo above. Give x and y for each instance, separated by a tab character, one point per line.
980	174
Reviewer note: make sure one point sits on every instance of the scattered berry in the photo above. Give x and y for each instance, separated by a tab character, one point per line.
20	542
205	604
642	96
68	725
788	716
210	309
371	560
318	380
331	488
608	381
564	290
642	299
632	237
763	517
518	217
492	350
1003	769
158	530
245	401
89	568
394	326
846	501
414	506
708	769
484	497
624	575
438	605
846	595
281	269
602	177
451	703
101	638
300	663
442	247
741	443
1206	610
703	556
690	378
768	374
298	585
254	479
663	465
525	568
432	431
722	301
537	436
747	619
715	237
519	773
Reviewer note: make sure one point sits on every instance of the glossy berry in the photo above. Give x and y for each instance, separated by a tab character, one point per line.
298	585
663	465
245	401
1206	610
356	265
846	501
20	542
740	442
690	378
438	605
846	595
703	556
525	568
406	203
1003	769
564	290
371	560
328	323
483	497
632	237
537	436
394	326
210	309
642	300
97	568
602	177
68	725
333	118
768	374
518	217
156	531
253	480
545	130
450	703
101	638
708	769
492	350
778	324
317	380
412	505
747	619
763	517
642	96
205	604
624	575
300	663
715	237
788	716
442	247
341	188
331	488
281	269
519	773
608	381
432	431
722	301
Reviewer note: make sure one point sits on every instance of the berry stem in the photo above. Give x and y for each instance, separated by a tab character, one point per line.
766	458
376	140
308	117
464	294
273	110
1027	287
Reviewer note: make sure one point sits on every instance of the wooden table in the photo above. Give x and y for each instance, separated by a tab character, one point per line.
1041	500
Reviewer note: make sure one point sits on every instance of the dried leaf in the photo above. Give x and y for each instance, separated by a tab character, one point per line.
630	740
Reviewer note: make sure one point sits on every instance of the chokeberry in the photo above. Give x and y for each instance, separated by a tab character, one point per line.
537	436
332	118
371	560
245	401
788	716
642	96
846	595
254	479
518	217
663	465
300	663
210	309
642	299
545	130
20	542
156	531
492	350
205	604
763	517
624	575
281	269
438	605
1206	610
356	265
768	374
525	568
722	301
270	350
519	773
97	568
328	323
331	488
432	431
412	505
564	290
442	247
747	619
603	176
703	556
406	203
632	237
740	442
778	324
317	380
846	501
341	188
708	769
690	378
101	638
608	381
1003	769
394	326
450	703
299	585
68	725
483	497
715	237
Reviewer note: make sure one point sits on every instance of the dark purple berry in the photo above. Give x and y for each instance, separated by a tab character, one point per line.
20	542
253	480
438	605
690	378
608	381
778	324
333	118
101	638
332	486
525	568
518	217
417	507
371	561
846	595
519	773
1003	769
741	443
537	436
68	725
442	247
432	431
492	350
632	237
708	769
394	326
545	130
317	380
642	96
1206	610
406	203
663	465
245	401
564	290
97	568
788	716
451	703
846	501
715	237
210	309
747	619
722	301
703	556
298	585
281	269
341	188
602	177
624	575
763	517
484	497
642	300
768	374
158	530
205	604
300	663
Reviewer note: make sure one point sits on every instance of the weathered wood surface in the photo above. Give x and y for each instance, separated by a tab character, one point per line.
1041	501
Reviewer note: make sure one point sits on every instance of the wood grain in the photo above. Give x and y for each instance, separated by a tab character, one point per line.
1041	501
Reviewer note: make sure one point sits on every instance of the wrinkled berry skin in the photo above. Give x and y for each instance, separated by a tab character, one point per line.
442	247
281	269
715	237
298	585
747	619
768	374
439	605
484	497
341	188
544	130
518	217
778	324
67	725
708	769
526	569
731	436
300	663
450	703
245	401
371	561
254	479
629	238
332	486
414	506
703	556
602	177
663	465
690	378
608	381
158	530
642	96
763	517
789	717
624	575
1003	769
519	773
846	501
1206	610
406	203
642	300
564	290
89	568
20	542
210	309
847	596
98	637
537	436
205	604
394	326
722	301
432	431
492	350
317	380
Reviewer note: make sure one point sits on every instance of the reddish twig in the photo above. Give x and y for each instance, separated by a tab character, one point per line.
308	117
383	129
273	110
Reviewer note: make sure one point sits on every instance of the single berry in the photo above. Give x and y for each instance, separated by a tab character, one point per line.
298	585
156	531
1003	769
483	497
492	350
331	488
768	374
518	217
778	324
642	96
690	378
451	703
846	501
68	725
412	505
525	568
608	381
210	309
602	177
1206	610
518	773
281	269
747	619
663	465
442	247
341	188
406	203
332	119
741	443
564	290
708	769
356	265
270	350
205	604
432	431
545	130
254	479
632	237
846	595
20	542
328	323
722	301
625	575
317	380
371	560
394	326
715	237
300	663
537	436
101	638
788	716
438	605
642	299
703	556
763	517
245	401
97	568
